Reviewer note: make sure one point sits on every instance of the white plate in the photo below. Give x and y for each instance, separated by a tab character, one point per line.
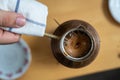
14	60
114	7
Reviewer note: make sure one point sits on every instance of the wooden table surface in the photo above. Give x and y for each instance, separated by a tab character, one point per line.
45	67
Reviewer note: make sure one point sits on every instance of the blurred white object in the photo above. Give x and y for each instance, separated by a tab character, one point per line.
15	59
114	7
35	13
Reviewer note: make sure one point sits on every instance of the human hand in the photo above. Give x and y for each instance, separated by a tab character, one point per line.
10	19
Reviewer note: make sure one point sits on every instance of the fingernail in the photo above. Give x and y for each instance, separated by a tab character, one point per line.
20	21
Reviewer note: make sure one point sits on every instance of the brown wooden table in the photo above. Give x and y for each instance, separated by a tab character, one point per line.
45	67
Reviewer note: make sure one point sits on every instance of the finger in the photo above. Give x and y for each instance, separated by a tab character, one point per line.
8	37
11	19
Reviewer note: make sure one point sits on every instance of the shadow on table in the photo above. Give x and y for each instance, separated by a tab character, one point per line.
105	75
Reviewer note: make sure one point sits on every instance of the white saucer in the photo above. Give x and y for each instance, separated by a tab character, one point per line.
14	60
114	7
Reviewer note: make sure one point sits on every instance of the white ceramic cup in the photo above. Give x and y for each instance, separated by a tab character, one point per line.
114	7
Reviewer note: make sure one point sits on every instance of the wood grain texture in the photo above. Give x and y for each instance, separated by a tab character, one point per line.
45	67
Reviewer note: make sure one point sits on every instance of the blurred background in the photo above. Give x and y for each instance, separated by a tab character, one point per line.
45	67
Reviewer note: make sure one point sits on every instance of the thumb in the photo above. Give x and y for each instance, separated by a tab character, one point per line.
11	19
